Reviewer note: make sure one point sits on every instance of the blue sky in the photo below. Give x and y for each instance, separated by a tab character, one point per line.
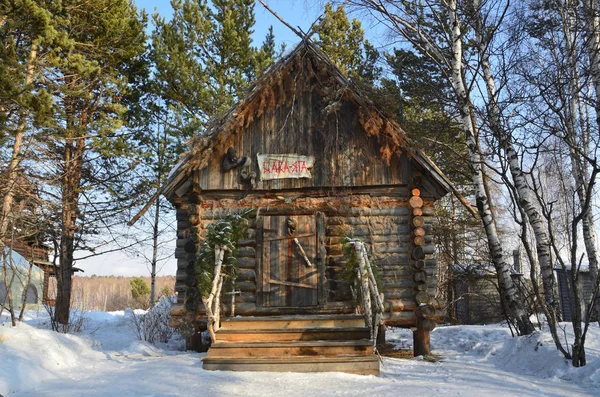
297	13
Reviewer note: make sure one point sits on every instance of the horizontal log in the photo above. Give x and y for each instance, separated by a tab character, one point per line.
417	211
191	305
181	214
190	247
191	281
393	259
183	224
396	238
419	231
246	263
398	305
246	287
247	243
246	275
429	249
363	231
415	192
397	283
182	263
250	309
368	220
419	241
428	210
395	271
400	319
180	253
193	209
399	293
180	275
390	249
175	322
177	310
180	288
246	252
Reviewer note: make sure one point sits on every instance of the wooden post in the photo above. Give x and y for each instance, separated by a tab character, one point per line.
424	310
421	342
381	336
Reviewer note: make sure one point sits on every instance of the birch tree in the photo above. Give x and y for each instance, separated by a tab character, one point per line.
484	30
592	24
435	29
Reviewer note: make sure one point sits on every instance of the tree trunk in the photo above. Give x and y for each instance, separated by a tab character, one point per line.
70	183
507	288
592	23
524	195
13	167
154	253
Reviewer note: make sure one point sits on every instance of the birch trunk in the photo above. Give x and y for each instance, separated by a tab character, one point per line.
578	170
592	24
525	196
363	279
507	288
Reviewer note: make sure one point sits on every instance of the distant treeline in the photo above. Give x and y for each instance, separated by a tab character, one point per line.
110	293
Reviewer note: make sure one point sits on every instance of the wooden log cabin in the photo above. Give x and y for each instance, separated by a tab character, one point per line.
306	147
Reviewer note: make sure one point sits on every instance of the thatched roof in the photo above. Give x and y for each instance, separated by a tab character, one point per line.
391	136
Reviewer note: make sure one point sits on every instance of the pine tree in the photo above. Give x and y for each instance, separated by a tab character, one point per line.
87	153
203	59
342	40
26	30
265	55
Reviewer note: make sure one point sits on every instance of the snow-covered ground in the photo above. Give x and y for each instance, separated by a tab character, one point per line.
106	359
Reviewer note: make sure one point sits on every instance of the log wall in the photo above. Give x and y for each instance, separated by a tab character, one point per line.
383	223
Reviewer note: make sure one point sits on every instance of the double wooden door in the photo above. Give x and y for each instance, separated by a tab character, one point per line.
291	261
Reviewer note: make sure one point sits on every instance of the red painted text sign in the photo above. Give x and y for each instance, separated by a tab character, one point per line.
282	166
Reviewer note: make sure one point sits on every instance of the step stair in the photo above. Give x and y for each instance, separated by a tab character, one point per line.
315	343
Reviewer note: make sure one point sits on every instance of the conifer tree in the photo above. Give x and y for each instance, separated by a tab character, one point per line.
265	55
203	59
86	154
341	39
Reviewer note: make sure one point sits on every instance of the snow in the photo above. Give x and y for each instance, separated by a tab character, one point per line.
106	359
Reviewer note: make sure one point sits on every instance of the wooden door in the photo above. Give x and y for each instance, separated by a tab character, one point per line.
289	260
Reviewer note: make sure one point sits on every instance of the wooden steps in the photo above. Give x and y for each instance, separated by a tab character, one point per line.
296	348
311	343
360	365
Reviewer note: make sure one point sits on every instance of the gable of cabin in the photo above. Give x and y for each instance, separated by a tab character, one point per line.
304	107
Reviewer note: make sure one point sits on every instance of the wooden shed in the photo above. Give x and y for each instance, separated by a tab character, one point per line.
306	147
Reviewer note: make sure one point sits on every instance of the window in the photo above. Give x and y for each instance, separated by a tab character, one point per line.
32	294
